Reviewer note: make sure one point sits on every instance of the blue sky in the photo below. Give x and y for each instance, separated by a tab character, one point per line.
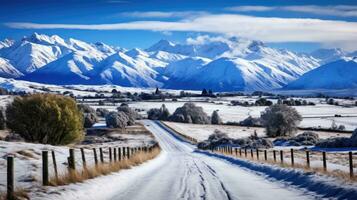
296	25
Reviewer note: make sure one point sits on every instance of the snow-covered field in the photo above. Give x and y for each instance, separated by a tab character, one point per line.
321	115
202	131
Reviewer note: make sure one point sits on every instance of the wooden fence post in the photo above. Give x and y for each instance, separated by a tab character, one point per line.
84	163
45	179
128	152
115	154
124	153
10	178
265	154
236	151
95	156
251	153
274	155
110	154
308	158
72	164
101	155
119	154
245	152
350	158
281	156
257	154
324	160
292	156
54	163
240	152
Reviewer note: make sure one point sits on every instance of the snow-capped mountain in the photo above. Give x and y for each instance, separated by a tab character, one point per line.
6	43
7	70
340	74
328	55
221	64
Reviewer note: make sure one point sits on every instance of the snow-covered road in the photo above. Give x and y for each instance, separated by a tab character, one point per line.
180	172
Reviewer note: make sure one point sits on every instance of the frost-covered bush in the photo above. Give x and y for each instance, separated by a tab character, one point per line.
85	108
89	119
307	138
102	112
159	113
131	113
219	138
190	113
45	118
250	121
215	118
2	119
89	115
339	141
280	120
117	120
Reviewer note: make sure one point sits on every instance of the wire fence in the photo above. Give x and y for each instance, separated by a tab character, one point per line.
311	160
77	160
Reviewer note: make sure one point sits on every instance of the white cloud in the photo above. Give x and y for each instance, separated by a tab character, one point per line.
267	29
160	14
250	8
335	10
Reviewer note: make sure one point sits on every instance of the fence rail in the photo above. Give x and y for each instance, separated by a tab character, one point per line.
271	155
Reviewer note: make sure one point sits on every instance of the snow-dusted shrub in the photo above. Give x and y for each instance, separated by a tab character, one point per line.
117	120
219	138
2	119
250	121
307	138
159	113
89	115
190	113
102	112
215	118
89	119
339	141
45	118
85	108
280	120
131	113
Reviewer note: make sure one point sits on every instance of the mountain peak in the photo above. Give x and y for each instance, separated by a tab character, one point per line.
136	52
163	45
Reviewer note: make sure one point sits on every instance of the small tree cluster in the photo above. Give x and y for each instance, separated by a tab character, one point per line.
131	113
45	118
102	112
215	118
159	113
2	119
117	120
190	113
89	115
280	120
263	102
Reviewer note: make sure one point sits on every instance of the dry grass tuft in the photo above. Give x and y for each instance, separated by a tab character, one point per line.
26	154
103	169
19	194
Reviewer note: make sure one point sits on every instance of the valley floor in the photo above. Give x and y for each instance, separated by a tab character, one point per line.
183	172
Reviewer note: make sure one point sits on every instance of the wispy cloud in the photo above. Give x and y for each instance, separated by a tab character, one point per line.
250	8
335	10
160	14
268	29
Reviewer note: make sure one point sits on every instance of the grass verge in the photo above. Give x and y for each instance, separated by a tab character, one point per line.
104	168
